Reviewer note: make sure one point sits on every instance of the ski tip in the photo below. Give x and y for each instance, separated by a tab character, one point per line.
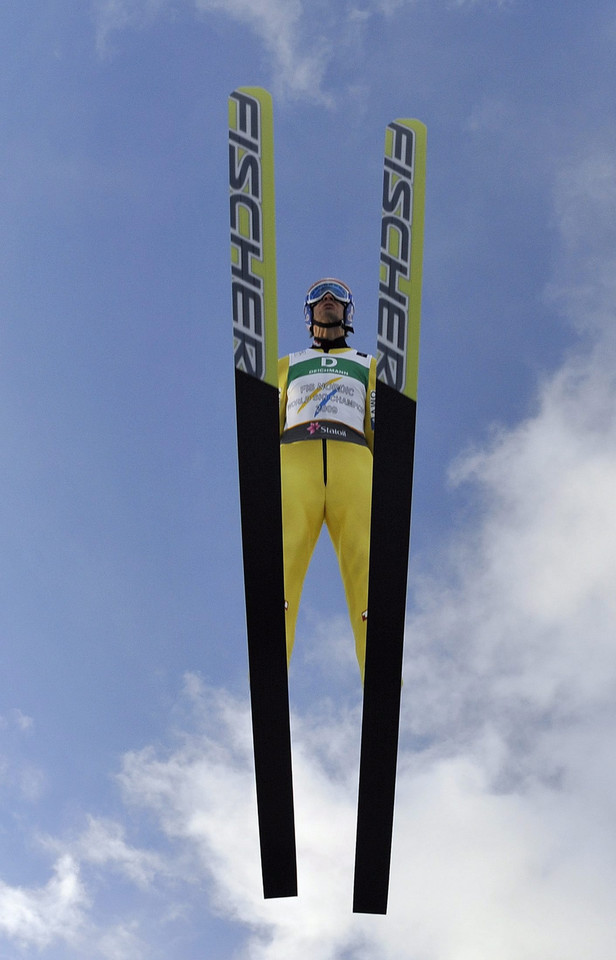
412	122
259	92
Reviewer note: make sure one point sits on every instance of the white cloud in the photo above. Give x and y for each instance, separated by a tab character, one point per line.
584	285
68	908
103	844
479	867
115	15
297	66
527	618
190	788
300	39
37	916
203	794
16	772
22	720
16	719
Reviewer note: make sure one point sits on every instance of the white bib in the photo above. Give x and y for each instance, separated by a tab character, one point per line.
326	395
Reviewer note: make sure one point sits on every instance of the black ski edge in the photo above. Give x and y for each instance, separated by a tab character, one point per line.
389	551
261	511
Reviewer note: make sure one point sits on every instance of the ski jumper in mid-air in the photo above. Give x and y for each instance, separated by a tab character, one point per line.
327	396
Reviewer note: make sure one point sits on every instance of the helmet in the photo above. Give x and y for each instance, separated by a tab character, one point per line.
339	290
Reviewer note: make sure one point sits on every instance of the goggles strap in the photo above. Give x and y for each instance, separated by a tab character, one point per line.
328	326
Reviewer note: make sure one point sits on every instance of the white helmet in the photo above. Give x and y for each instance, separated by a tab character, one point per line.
339	291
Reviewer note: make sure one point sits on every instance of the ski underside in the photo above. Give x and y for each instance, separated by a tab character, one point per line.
253	268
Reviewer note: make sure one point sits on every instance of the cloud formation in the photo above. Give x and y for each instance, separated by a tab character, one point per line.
584	285
300	40
37	916
68	909
298	57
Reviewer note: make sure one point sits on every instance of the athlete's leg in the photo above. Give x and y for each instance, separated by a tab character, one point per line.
303	510
348	501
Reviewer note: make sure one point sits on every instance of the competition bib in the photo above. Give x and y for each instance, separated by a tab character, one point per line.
326	396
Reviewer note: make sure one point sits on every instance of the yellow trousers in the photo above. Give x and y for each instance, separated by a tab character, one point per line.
327	481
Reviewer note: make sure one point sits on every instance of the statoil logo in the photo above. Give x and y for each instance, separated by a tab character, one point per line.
246	217
396	238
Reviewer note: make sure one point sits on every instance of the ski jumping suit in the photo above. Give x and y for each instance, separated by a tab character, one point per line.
327	437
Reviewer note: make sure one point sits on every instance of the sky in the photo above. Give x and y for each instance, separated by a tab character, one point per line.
127	808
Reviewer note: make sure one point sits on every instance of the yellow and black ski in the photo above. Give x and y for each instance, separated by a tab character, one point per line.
255	344
394	441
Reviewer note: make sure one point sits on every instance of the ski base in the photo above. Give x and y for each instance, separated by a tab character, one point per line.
259	469
389	548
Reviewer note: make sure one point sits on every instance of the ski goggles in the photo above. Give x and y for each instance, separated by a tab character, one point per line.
337	290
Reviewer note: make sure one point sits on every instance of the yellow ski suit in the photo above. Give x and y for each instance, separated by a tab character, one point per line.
327	439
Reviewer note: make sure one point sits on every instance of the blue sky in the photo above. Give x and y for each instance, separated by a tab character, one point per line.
127	814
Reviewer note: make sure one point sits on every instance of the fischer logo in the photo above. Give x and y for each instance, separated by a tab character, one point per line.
247	236
395	256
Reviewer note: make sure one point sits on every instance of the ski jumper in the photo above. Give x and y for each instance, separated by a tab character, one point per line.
327	438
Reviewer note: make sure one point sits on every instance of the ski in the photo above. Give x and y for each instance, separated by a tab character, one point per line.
255	345
394	440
